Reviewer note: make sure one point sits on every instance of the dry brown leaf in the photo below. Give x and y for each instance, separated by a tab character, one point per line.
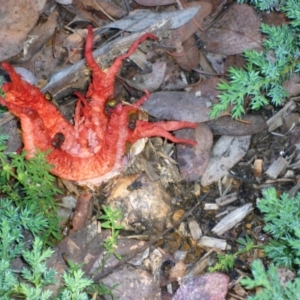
181	106
105	7
189	57
188	29
235	31
274	18
178	271
192	161
292	85
64	2
151	81
80	12
155	2
227	151
74	44
237	60
208	88
17	19
250	124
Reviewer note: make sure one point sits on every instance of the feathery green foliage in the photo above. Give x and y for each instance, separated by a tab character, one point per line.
31	283
75	283
282	221
13	222
111	219
270	283
264	4
226	261
265	72
282	218
29	184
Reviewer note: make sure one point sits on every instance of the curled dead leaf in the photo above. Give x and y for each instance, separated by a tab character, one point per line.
192	161
151	81
227	151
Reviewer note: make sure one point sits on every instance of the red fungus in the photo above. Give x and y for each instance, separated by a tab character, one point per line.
93	149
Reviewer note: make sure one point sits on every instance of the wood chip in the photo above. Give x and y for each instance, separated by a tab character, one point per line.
200	265
277	120
211	206
276	167
227	151
195	229
207	241
258	168
232	219
225	200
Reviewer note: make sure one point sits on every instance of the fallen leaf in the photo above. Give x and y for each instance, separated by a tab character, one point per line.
229	34
17	19
80	12
155	2
208	88
227	126
189	57
292	85
64	2
227	151
274	18
212	286
236	60
105	8
178	271
182	33
151	81
74	43
178	106
192	161
173	81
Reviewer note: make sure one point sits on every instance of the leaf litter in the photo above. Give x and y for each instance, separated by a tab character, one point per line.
49	43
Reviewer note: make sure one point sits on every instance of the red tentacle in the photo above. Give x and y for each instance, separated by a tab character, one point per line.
146	129
113	70
89	58
93	148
